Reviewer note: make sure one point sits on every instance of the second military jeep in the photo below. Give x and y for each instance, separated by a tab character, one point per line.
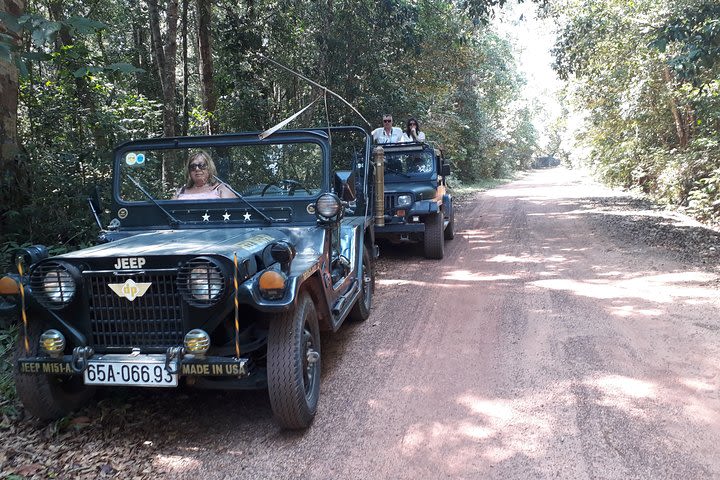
418	207
222	293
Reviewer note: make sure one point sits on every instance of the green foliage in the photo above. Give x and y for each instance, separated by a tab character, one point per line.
646	73
8	337
42	32
693	37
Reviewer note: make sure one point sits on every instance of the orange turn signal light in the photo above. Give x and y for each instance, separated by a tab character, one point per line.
272	284
271	280
8	286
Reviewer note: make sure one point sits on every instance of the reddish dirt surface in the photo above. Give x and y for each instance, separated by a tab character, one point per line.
544	345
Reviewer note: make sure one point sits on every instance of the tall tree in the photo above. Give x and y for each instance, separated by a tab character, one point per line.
11	171
205	63
165	52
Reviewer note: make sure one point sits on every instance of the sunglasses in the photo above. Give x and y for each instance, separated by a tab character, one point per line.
387	121
197	166
412	123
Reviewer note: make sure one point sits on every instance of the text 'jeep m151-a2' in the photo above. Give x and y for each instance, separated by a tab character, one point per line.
226	285
418	207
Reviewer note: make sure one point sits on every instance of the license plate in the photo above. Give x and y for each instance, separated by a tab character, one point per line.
136	373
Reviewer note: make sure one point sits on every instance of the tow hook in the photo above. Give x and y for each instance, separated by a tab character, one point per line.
80	358
176	354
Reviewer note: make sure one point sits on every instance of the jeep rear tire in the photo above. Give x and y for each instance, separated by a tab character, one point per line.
450	228
293	365
47	397
361	310
434	241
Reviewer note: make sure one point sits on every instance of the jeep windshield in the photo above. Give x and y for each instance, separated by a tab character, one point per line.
257	172
408	163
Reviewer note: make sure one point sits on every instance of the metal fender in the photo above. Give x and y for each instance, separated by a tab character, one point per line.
423	207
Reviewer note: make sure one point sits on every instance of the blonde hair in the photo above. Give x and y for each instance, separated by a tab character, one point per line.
212	171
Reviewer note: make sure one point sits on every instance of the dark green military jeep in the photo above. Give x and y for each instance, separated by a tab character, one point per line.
224	288
418	207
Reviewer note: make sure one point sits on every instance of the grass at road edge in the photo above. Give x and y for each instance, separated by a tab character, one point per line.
8	336
463	190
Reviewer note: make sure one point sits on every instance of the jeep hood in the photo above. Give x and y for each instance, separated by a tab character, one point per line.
421	191
216	241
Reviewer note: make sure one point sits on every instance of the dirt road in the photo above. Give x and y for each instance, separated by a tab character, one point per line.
545	345
539	347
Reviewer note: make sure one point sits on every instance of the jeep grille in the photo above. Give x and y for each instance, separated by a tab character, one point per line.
152	322
390	202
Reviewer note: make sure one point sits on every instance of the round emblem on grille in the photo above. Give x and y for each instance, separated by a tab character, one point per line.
123	213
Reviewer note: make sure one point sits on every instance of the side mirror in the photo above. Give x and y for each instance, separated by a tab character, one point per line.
445	170
345	185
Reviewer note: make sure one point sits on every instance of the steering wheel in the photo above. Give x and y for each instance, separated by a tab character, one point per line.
290	186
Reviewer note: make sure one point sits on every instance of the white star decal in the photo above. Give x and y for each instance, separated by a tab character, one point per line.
226	216
206	217
247	216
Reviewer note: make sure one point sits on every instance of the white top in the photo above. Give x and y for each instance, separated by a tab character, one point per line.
211	194
381	136
408	138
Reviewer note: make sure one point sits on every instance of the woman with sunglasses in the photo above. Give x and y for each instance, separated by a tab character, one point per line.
412	131
201	183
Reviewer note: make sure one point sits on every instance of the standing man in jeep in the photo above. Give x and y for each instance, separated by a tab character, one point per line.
387	133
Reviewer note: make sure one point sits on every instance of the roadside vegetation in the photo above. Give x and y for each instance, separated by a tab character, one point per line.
647	75
7	387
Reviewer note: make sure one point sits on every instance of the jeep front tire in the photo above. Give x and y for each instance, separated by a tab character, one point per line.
434	241
293	365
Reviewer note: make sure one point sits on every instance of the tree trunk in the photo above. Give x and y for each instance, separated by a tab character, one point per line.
140	51
681	127
12	174
165	50
186	70
207	84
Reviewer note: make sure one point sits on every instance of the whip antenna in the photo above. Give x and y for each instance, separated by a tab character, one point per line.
324	88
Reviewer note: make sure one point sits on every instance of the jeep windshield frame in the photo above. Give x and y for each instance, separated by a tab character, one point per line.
411	162
284	200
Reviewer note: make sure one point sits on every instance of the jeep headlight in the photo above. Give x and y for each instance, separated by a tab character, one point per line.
54	284
201	282
404	201
328	207
205	282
